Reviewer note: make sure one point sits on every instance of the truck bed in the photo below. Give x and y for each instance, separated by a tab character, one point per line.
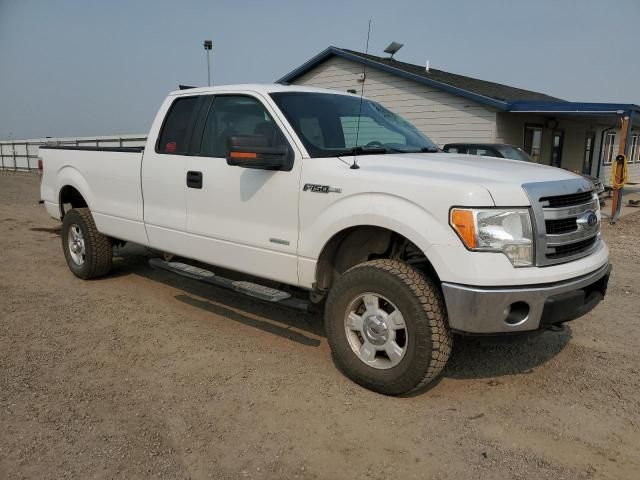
108	179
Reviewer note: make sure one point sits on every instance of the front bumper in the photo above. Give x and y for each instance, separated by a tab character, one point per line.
486	310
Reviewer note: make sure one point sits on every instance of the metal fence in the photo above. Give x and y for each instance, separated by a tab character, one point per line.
22	155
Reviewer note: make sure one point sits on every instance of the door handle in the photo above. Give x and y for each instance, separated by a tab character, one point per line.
194	179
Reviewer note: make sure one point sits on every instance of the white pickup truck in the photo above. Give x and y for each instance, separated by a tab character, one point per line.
338	198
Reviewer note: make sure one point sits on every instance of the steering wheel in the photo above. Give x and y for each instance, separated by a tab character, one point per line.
374	143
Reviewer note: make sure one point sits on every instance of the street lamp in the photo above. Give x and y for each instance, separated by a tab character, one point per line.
208	45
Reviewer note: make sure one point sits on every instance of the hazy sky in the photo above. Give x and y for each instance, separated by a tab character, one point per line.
100	67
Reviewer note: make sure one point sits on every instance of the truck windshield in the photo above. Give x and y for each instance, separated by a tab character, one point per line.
327	124
514	153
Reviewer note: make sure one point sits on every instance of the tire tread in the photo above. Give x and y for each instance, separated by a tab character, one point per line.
431	302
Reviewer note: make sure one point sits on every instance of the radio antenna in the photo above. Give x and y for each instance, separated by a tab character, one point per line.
354	165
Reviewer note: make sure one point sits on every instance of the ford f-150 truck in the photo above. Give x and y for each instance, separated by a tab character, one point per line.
332	195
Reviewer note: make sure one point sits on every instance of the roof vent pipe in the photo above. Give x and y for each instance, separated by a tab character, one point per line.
427	66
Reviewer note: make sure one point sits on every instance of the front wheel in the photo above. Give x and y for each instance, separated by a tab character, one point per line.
386	325
89	253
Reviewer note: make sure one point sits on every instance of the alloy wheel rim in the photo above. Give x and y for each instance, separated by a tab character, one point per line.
76	244
376	330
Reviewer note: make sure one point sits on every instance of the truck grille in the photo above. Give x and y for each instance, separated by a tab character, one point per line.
563	225
567	200
566	218
573	248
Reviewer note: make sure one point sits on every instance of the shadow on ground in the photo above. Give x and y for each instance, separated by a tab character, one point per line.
472	357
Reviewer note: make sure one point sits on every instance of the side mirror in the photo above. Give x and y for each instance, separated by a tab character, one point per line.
253	151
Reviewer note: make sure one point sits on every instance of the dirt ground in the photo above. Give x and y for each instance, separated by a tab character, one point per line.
146	374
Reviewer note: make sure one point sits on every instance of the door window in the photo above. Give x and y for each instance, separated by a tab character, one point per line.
533	142
607	147
174	137
556	148
588	152
634	151
232	115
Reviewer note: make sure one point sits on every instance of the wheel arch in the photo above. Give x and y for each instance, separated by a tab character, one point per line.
389	216
73	190
361	243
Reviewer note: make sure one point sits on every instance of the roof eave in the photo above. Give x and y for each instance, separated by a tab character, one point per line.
325	54
583	108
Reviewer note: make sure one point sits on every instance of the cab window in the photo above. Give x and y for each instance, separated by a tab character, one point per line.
232	115
174	138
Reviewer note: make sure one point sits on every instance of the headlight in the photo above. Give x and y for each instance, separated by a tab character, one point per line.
496	230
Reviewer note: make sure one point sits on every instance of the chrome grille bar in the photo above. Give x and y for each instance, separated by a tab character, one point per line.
557	248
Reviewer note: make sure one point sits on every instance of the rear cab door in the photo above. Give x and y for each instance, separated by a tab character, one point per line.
164	172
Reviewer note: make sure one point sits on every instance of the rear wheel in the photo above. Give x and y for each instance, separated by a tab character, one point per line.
386	325
89	253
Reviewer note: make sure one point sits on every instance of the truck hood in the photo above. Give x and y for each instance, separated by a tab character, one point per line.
503	178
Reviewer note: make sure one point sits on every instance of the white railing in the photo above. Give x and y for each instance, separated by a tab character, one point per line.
22	155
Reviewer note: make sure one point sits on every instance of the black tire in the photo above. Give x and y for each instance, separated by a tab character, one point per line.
98	249
428	337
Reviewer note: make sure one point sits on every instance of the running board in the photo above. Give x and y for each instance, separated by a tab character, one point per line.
254	290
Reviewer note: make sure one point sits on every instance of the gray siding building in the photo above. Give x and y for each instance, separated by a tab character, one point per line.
449	108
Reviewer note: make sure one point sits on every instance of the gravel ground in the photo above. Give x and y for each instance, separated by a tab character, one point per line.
145	374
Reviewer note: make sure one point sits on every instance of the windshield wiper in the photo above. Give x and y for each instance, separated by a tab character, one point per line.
364	150
361	151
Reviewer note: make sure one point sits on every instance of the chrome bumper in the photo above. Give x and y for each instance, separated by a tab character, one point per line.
519	309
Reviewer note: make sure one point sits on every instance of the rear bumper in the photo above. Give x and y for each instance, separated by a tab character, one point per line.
486	310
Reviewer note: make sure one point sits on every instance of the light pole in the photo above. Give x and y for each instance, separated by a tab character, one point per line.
208	45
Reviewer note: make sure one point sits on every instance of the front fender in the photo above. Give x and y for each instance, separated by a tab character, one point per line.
389	211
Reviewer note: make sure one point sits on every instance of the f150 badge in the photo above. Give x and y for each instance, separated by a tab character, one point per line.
312	187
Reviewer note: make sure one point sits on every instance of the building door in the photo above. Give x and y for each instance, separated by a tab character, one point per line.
587	159
557	139
533	142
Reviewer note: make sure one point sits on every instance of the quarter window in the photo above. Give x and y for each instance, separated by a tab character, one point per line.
174	138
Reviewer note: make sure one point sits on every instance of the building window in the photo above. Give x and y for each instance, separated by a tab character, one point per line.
587	160
533	141
607	147
556	148
634	151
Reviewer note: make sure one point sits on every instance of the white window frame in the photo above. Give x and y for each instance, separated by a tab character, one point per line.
607	157
634	150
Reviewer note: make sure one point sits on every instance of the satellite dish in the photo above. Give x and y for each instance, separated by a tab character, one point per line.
393	48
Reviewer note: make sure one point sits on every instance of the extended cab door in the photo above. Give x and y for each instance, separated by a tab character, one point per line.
240	218
164	171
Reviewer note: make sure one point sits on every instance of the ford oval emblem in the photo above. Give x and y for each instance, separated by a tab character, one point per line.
589	219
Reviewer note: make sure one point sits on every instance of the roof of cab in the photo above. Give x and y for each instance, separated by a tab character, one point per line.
265	88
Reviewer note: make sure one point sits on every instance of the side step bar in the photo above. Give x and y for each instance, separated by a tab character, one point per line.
261	292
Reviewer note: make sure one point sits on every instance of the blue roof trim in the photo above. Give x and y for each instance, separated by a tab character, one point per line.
573	107
322	56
